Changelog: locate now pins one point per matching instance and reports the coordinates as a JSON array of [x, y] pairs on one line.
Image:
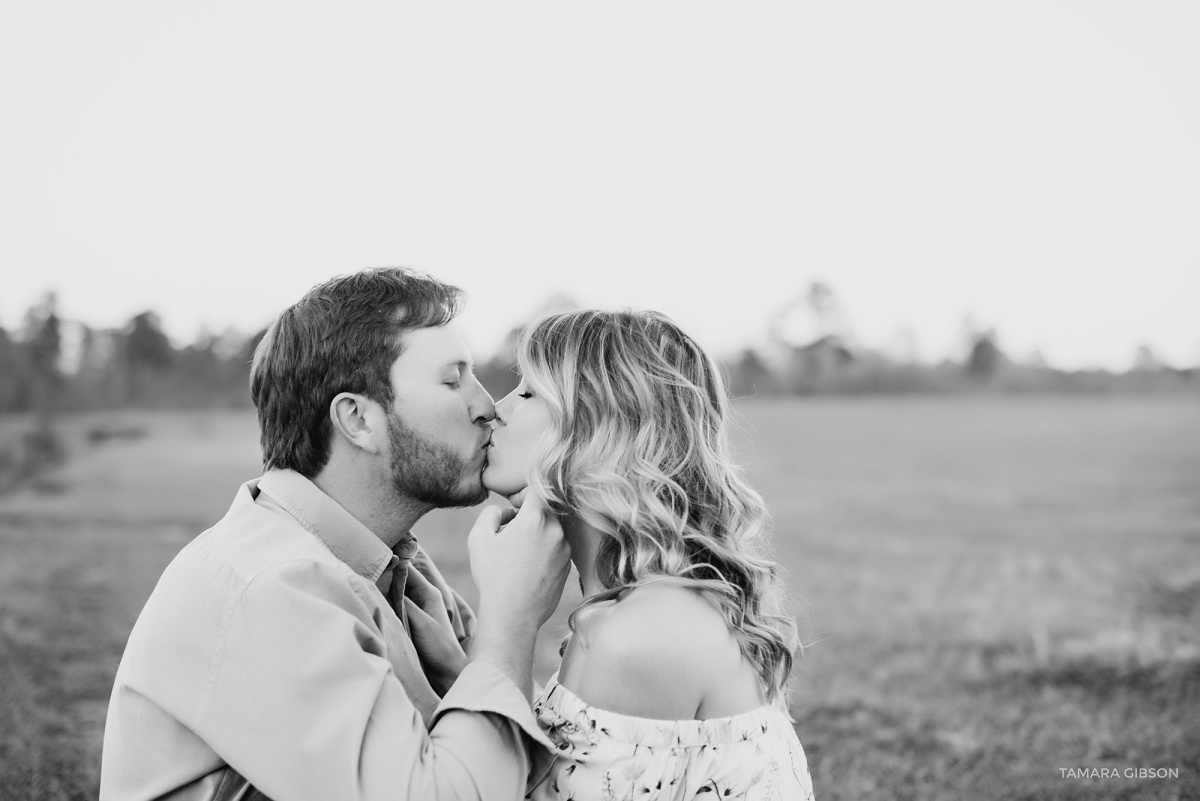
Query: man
[[274, 657]]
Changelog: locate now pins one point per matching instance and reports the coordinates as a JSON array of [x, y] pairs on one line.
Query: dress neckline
[[659, 731]]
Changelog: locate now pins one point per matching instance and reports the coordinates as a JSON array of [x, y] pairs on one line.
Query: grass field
[[1000, 588]]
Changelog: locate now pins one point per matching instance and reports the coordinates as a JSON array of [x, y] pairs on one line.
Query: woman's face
[[521, 420]]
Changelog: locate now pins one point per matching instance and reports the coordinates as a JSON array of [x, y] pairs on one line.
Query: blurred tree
[[823, 305], [101, 380], [43, 337], [985, 357], [146, 345], [818, 366], [11, 383], [1146, 360], [147, 352], [750, 376], [198, 368], [813, 315]]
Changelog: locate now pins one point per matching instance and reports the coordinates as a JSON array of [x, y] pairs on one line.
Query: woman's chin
[[500, 487]]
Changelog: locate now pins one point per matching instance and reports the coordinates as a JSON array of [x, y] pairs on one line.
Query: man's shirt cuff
[[483, 687]]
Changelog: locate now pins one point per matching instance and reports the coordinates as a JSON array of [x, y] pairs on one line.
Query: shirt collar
[[342, 533]]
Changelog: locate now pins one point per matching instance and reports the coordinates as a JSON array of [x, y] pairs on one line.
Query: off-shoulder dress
[[606, 756]]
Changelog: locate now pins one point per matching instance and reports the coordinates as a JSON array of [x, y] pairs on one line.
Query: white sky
[[1035, 165]]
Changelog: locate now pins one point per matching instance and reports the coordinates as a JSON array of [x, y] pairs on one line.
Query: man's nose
[[483, 410]]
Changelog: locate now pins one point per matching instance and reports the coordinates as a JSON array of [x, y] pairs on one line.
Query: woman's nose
[[502, 411]]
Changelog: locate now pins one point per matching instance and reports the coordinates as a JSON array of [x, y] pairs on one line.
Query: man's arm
[[304, 703]]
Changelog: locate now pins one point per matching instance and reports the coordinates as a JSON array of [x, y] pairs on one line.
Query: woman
[[672, 683]]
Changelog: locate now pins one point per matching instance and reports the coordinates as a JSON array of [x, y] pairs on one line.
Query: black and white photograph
[[600, 402]]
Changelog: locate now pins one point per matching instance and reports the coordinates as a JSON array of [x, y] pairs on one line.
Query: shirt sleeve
[[483, 687], [304, 703]]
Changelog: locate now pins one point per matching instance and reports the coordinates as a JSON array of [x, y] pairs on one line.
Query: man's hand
[[520, 562], [435, 637]]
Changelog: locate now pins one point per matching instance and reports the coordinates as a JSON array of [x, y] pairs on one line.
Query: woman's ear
[[352, 419]]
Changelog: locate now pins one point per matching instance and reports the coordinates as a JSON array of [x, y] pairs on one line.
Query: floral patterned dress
[[606, 756]]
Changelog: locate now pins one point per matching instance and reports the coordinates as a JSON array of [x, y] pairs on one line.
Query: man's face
[[438, 424]]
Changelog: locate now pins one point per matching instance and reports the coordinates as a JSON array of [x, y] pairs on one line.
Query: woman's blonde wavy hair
[[642, 454]]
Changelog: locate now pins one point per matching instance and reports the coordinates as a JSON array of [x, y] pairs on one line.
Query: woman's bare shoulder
[[656, 653]]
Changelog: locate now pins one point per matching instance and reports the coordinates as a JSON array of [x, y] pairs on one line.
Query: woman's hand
[[459, 611], [435, 637]]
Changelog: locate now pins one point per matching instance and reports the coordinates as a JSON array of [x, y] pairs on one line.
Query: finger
[[517, 498], [454, 609], [534, 519], [532, 505], [465, 616], [412, 608], [418, 588], [430, 602], [424, 629], [420, 624], [430, 639], [430, 571], [428, 598], [490, 520]]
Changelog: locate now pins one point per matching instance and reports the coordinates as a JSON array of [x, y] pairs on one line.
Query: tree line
[[48, 365]]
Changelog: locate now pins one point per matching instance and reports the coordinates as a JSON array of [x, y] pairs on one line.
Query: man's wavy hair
[[640, 451], [343, 336]]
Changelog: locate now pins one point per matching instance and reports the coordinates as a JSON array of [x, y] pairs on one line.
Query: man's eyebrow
[[459, 363]]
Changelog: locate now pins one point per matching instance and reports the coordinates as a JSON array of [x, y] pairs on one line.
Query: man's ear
[[351, 416]]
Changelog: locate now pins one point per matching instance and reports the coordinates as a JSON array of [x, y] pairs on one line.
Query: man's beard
[[429, 471]]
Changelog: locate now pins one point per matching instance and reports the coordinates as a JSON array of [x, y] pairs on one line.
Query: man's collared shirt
[[268, 660]]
